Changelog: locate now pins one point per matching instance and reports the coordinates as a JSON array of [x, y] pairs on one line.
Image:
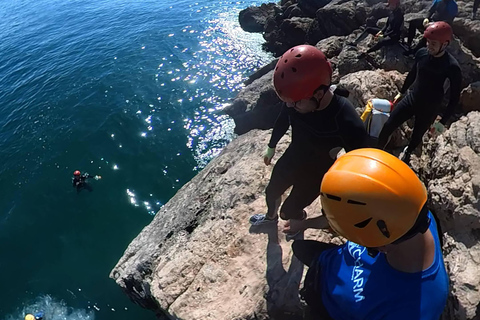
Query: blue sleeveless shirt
[[355, 285]]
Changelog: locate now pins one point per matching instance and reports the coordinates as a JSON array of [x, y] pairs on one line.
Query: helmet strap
[[421, 226], [323, 88]]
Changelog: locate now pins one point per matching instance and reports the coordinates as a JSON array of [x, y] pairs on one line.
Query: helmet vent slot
[[282, 75], [332, 197], [298, 55], [363, 224], [286, 60], [383, 228], [356, 202], [294, 69]]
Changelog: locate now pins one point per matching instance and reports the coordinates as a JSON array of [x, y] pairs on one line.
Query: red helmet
[[299, 72], [394, 3], [76, 173], [439, 31]]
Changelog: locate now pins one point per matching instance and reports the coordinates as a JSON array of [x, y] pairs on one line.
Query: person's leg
[[308, 250], [401, 113], [364, 34], [415, 24], [421, 44], [423, 122], [280, 181], [476, 4], [306, 188], [387, 41]]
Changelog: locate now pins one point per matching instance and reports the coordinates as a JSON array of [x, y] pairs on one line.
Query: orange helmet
[[371, 197], [300, 72]]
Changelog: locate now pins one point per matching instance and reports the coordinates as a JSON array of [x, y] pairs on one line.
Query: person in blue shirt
[[440, 10], [392, 265]]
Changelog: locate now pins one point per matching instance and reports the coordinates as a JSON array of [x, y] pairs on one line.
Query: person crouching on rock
[[320, 121], [392, 266], [433, 65], [389, 35]]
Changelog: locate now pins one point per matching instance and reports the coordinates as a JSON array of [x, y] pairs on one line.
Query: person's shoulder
[[421, 54], [452, 60]]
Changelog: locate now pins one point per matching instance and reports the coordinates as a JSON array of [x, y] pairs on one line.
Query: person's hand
[[267, 157], [425, 22], [379, 35], [293, 226], [397, 98], [97, 177], [437, 127]]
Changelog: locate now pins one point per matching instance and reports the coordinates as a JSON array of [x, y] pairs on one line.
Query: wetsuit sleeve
[[432, 9], [412, 75], [73, 182], [455, 78], [352, 129], [280, 128], [397, 25]]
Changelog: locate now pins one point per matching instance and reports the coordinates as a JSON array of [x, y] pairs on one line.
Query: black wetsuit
[[439, 11], [428, 77], [391, 31], [307, 158], [80, 182]]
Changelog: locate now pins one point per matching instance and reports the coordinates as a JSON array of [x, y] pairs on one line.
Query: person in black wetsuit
[[440, 10], [320, 121], [433, 65], [390, 34], [476, 4], [79, 181]]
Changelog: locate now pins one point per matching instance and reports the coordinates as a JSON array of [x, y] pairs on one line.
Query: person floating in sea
[[392, 265], [37, 316], [433, 65], [79, 180], [320, 119]]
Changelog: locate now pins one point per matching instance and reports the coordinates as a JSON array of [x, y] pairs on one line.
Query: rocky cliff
[[200, 259]]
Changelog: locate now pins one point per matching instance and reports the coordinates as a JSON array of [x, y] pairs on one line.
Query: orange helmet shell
[[371, 197], [300, 71]]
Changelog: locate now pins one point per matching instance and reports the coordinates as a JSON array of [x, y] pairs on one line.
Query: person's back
[[444, 10], [391, 267], [358, 286]]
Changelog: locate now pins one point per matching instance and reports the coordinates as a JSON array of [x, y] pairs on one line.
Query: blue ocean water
[[127, 89]]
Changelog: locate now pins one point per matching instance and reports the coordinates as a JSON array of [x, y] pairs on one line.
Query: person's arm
[[432, 9], [280, 128], [455, 78], [412, 75], [352, 129]]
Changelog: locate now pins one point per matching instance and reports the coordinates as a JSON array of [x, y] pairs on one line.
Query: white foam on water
[[53, 309]]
